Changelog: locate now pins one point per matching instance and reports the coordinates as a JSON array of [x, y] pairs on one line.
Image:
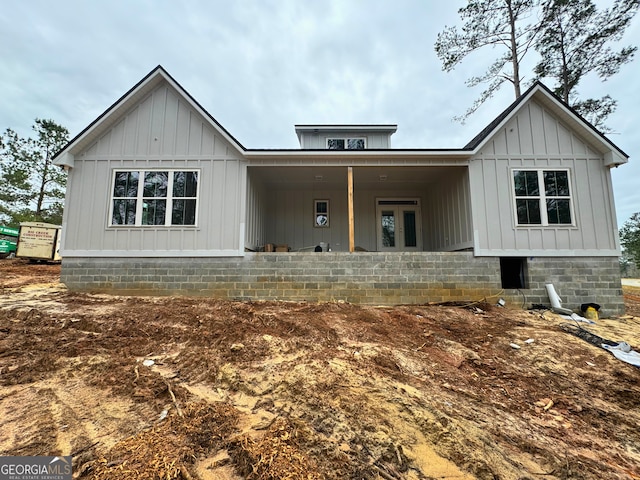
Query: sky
[[262, 66]]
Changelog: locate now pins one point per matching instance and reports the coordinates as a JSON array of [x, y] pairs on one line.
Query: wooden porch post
[[352, 240]]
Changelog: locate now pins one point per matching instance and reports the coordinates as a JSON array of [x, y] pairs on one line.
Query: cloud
[[262, 66]]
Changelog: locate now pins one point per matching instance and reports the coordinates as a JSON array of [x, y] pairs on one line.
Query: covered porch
[[372, 208]]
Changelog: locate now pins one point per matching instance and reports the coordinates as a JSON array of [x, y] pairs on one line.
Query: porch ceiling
[[375, 177]]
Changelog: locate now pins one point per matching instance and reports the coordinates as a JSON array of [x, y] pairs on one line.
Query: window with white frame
[[542, 197], [154, 197], [346, 143], [321, 213]]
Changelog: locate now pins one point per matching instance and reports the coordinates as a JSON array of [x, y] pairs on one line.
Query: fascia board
[[347, 128], [391, 154]]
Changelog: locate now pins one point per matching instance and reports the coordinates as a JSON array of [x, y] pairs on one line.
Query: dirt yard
[[180, 388]]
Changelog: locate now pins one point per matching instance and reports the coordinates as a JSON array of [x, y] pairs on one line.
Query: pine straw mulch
[[276, 456], [169, 450]]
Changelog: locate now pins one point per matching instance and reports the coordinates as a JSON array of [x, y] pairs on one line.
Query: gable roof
[[614, 156], [112, 114]]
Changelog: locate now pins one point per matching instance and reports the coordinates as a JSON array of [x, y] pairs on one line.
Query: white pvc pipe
[[556, 301]]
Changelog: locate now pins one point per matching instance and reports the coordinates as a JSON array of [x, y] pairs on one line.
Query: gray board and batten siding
[[161, 131], [535, 139]]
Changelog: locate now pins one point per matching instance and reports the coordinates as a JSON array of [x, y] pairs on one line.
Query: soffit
[[374, 177]]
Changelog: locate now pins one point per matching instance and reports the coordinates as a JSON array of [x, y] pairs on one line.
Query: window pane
[[124, 212], [153, 212], [178, 184], [558, 211], [126, 184], [388, 229], [410, 238], [335, 144], [185, 184], [321, 207], [528, 211], [526, 183], [556, 184], [155, 184], [355, 143], [184, 212]]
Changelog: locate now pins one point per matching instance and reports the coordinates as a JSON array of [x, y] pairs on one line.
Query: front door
[[399, 225]]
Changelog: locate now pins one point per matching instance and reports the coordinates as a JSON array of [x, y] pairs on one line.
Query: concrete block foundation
[[368, 278]]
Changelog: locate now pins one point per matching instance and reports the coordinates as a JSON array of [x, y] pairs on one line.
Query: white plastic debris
[[624, 347], [148, 363], [623, 352], [163, 414], [577, 318], [529, 340], [515, 346]]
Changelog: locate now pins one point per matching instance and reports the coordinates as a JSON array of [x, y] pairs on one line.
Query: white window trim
[[317, 214], [346, 140], [139, 197], [542, 198]]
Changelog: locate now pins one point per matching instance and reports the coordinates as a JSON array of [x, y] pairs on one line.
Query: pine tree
[[574, 41], [572, 37], [32, 187], [495, 23], [630, 239]]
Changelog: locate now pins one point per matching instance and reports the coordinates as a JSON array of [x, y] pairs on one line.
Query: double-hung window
[[154, 197], [345, 143], [542, 197], [321, 213]]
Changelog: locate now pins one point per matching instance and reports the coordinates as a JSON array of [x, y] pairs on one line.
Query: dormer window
[[346, 143], [345, 137]]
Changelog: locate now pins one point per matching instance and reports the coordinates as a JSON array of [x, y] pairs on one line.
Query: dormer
[[345, 137]]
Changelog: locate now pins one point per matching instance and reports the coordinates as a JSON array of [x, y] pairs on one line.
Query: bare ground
[[180, 388]]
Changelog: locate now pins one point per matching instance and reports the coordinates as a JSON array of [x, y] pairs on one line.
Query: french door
[[399, 225]]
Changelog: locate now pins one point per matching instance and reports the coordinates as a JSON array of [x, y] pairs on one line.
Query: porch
[[384, 209]]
